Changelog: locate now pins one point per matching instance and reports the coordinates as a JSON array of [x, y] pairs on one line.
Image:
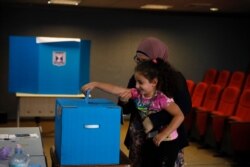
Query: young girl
[[149, 76]]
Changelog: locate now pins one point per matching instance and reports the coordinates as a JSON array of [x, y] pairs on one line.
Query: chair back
[[199, 93], [210, 76], [212, 97], [247, 82], [228, 101], [223, 78], [237, 79], [243, 108]]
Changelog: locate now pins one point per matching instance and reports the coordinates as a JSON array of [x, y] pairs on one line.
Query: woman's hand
[[125, 95]]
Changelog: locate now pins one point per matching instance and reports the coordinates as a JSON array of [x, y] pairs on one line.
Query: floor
[[194, 155]]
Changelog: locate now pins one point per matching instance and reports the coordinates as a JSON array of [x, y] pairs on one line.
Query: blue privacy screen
[[48, 65]]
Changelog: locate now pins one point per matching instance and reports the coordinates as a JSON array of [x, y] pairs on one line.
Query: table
[[124, 161], [31, 145], [39, 105]]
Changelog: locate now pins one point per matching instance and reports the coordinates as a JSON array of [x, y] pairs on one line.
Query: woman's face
[[139, 57], [147, 88]]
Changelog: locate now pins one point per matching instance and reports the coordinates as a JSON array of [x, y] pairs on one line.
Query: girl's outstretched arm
[[106, 87]]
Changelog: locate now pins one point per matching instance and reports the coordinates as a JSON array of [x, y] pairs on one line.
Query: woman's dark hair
[[163, 71]]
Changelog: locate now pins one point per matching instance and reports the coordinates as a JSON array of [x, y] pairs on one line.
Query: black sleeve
[[182, 99]]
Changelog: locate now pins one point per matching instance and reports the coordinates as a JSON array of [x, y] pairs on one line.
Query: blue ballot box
[[87, 132]]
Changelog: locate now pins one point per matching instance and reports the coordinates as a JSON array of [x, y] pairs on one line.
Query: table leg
[[18, 113]]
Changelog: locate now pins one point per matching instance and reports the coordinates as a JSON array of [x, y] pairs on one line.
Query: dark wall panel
[[195, 42]]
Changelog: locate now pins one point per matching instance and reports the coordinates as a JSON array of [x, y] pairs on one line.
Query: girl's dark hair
[[163, 71]]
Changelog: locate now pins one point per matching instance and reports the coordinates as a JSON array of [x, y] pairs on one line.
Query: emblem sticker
[[59, 58]]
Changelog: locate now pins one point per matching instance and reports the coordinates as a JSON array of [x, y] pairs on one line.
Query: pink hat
[[153, 48]]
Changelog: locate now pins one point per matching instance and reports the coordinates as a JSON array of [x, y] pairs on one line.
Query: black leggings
[[163, 156]]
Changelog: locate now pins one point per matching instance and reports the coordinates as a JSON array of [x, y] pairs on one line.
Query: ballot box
[[87, 131]]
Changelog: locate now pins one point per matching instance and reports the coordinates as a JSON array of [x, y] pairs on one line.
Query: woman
[[149, 49]]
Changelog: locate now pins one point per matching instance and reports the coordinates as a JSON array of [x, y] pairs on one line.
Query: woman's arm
[[106, 87], [178, 117]]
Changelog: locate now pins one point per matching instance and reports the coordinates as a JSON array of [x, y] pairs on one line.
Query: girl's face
[[147, 88]]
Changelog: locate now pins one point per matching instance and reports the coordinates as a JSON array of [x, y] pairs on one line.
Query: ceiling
[[200, 6]]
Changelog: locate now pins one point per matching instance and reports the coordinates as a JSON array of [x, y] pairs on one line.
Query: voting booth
[[45, 65]]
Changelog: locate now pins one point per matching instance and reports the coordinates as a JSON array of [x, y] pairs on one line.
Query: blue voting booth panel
[[23, 62], [48, 68], [87, 133]]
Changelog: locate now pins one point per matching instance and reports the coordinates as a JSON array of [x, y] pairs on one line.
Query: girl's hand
[[88, 86], [159, 138]]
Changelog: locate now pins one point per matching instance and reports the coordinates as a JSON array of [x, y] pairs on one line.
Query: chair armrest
[[234, 119], [201, 109], [240, 123], [216, 114]]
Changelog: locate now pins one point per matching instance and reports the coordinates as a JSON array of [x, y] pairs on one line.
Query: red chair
[[197, 99], [237, 79], [198, 94], [239, 124], [191, 85], [242, 113], [247, 82], [210, 76], [226, 108], [210, 103], [223, 78]]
